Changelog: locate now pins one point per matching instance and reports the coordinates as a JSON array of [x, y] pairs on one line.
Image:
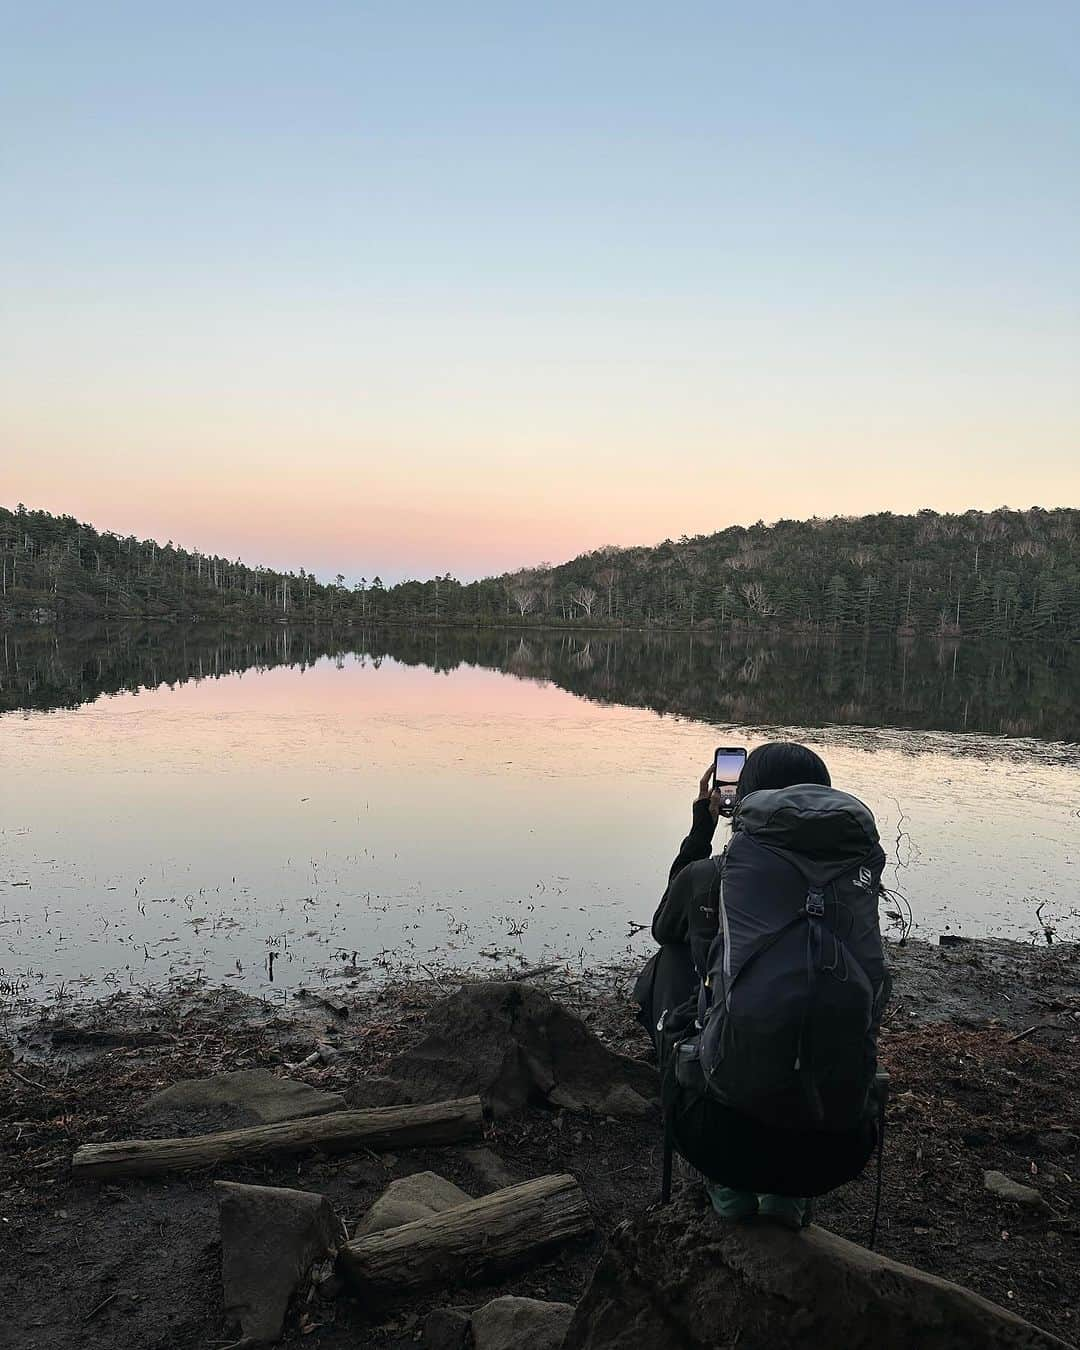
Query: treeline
[[56, 568], [999, 574], [1011, 574]]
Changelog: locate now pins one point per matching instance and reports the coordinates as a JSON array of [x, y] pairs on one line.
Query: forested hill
[[1000, 573], [997, 574]]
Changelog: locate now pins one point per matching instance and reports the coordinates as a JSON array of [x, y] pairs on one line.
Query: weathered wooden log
[[468, 1241], [381, 1127]]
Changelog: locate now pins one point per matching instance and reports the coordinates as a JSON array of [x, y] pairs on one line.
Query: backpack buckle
[[815, 904]]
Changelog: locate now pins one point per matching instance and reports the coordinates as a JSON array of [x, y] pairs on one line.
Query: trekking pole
[[881, 1081], [665, 1176]]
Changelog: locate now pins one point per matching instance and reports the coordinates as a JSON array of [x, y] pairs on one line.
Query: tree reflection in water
[[741, 678]]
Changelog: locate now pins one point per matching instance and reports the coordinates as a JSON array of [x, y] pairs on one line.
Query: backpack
[[795, 981]]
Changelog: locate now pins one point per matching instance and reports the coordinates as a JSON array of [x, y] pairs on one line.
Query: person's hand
[[707, 792]]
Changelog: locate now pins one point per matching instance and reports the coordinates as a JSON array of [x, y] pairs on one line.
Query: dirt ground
[[982, 1042]]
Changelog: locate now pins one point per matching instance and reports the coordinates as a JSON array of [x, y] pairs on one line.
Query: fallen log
[[470, 1240], [380, 1127]]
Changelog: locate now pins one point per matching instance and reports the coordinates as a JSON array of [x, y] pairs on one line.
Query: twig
[[532, 972], [29, 1082], [1039, 1026], [103, 1304], [311, 1059]]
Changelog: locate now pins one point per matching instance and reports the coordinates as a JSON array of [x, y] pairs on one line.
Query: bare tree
[[607, 577], [757, 598], [584, 596], [524, 597]]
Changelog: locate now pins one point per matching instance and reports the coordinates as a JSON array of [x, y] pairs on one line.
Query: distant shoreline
[[703, 629]]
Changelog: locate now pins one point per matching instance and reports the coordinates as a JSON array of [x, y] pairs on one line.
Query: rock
[[997, 1183], [376, 1091], [513, 1045], [490, 1168], [624, 1103], [513, 1323], [415, 1197], [678, 1278], [255, 1096], [446, 1329], [270, 1239]]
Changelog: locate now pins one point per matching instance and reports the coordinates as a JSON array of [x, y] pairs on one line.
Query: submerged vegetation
[[999, 574]]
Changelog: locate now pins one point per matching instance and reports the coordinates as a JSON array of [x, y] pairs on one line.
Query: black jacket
[[687, 912]]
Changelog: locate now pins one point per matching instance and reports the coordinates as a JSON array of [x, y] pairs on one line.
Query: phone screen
[[729, 764]]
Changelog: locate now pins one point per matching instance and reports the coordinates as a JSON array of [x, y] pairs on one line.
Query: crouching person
[[766, 995]]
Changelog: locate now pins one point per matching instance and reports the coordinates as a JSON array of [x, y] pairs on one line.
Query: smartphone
[[727, 765]]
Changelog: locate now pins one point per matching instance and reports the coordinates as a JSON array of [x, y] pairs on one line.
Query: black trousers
[[727, 1147]]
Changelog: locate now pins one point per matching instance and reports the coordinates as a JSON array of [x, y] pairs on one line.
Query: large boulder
[[270, 1239], [413, 1197], [244, 1097], [513, 1323], [514, 1045], [678, 1278]]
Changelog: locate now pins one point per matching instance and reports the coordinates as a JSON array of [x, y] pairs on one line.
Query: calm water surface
[[262, 811]]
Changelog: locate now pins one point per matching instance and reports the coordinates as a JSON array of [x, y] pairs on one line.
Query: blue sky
[[458, 286]]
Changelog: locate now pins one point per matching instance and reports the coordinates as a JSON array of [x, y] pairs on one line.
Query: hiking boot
[[732, 1205], [787, 1210]]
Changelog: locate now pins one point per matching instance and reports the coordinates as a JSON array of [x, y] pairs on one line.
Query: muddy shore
[[982, 1042]]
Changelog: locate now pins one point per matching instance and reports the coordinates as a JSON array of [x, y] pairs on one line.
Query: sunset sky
[[405, 288]]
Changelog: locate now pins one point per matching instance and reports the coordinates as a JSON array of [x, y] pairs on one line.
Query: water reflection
[[811, 681], [248, 805]]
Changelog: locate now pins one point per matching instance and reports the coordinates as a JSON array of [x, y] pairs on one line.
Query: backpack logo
[[864, 879]]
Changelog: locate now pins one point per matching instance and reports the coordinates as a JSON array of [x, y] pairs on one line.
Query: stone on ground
[[270, 1239], [490, 1168], [679, 1278], [415, 1197], [446, 1329], [513, 1323], [254, 1095], [514, 1045], [997, 1183]]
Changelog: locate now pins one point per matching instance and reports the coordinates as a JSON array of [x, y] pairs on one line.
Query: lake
[[277, 810]]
